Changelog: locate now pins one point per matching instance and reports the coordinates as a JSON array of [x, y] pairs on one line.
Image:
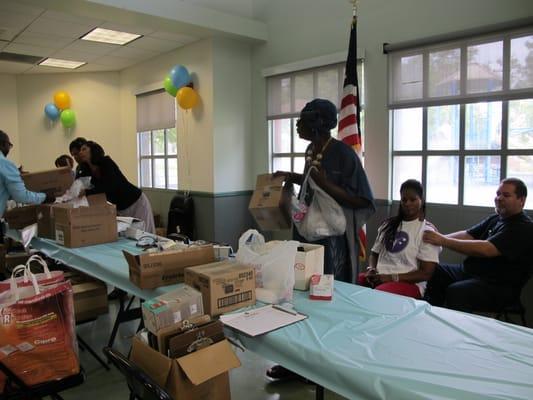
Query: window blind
[[155, 110]]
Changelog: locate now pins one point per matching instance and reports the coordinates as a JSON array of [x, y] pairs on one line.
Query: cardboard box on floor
[[308, 261], [199, 375], [225, 285], [172, 307], [152, 270], [90, 296], [86, 226], [54, 181], [265, 204]]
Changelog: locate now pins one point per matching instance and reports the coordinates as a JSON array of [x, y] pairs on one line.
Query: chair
[[16, 389], [141, 386], [519, 307], [181, 216]]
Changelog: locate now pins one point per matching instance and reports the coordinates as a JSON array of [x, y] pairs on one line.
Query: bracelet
[[395, 277]]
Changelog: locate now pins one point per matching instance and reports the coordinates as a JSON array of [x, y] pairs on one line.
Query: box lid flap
[[268, 180], [132, 259], [155, 364], [209, 362], [97, 199]]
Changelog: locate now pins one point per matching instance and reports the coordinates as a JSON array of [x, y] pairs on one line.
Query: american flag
[[349, 120]]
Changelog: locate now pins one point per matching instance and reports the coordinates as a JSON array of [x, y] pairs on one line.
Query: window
[[461, 117], [287, 95], [157, 141]]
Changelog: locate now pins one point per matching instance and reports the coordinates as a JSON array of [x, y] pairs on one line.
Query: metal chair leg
[[93, 353], [319, 392]]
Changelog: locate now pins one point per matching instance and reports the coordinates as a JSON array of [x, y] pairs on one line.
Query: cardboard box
[[90, 296], [196, 338], [86, 226], [225, 285], [171, 308], [199, 375], [54, 181], [152, 270], [308, 262], [266, 204], [46, 221], [21, 217]]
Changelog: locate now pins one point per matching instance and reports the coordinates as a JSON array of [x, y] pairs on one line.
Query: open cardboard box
[[86, 226], [199, 375], [152, 270], [266, 204]]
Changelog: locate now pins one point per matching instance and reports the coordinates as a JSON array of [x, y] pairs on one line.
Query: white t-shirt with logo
[[404, 254]]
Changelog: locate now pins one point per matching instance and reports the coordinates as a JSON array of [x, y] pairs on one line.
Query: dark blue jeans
[[452, 287]]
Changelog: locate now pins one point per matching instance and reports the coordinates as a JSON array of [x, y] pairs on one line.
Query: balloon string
[[186, 159]]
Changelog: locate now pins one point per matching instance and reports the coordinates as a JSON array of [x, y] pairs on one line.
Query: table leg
[[123, 315]]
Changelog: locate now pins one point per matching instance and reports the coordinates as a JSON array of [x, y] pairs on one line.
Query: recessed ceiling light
[[56, 62], [110, 36]]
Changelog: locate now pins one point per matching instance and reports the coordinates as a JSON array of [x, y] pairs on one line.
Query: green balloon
[[169, 87], [68, 118]]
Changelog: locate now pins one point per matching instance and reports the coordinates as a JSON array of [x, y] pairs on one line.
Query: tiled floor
[[247, 382]]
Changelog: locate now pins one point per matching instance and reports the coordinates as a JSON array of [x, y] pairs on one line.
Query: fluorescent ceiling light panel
[[110, 36], [56, 62]]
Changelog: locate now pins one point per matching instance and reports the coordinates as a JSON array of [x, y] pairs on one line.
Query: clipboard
[[258, 321]]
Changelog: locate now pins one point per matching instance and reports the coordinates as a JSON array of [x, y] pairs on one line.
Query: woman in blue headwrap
[[339, 172]]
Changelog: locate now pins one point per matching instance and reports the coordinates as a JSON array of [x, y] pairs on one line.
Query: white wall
[[299, 30], [195, 128], [9, 114], [94, 99], [232, 95]]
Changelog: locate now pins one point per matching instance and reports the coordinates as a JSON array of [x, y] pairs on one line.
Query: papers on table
[[259, 321]]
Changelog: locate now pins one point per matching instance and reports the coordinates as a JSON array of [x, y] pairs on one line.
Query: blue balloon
[[51, 111], [179, 76]]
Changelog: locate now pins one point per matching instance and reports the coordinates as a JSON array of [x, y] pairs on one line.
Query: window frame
[[165, 156], [462, 99], [294, 114]]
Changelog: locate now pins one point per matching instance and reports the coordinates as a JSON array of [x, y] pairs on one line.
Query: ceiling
[[37, 30]]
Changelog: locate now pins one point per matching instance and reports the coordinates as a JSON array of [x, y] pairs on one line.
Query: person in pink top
[[400, 262]]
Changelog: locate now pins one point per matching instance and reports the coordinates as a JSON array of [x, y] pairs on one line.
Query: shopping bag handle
[[13, 282], [40, 261]]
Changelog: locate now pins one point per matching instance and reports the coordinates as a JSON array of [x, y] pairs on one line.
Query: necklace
[[315, 161]]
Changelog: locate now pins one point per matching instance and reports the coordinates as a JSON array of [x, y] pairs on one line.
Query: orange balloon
[[62, 100], [187, 98]]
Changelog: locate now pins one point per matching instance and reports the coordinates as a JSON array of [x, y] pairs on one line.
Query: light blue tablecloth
[[103, 261], [367, 344]]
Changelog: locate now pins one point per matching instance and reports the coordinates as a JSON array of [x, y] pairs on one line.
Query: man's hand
[[50, 198], [434, 238]]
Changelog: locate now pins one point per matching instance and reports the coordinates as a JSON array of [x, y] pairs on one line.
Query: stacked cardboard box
[[225, 285], [309, 261], [90, 296]]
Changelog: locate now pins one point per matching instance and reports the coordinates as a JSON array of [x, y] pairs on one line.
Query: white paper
[[258, 321]]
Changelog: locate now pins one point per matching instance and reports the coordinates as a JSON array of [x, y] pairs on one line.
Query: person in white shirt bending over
[[400, 262]]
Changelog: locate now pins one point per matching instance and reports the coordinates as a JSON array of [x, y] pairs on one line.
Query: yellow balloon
[[187, 97], [62, 100]]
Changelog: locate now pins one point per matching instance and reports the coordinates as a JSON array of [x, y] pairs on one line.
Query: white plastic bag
[[273, 263], [323, 218]]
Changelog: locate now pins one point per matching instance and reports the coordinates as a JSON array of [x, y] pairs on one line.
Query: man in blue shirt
[[498, 261], [11, 184]]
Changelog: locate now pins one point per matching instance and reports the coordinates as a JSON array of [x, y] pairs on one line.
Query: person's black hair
[[97, 152], [320, 115], [392, 224], [520, 187], [3, 136], [64, 160], [77, 143]]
